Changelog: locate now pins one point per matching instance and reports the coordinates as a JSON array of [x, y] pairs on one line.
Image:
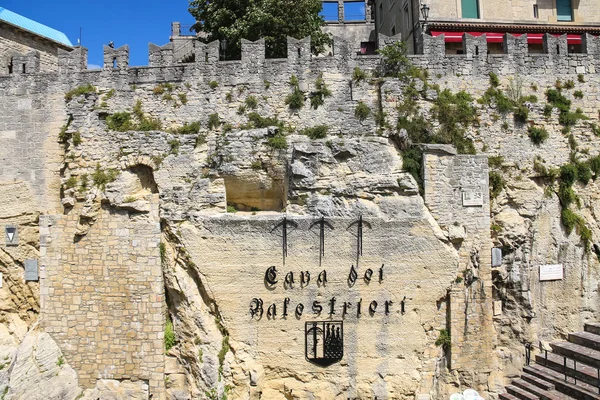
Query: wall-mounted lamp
[[425, 15]]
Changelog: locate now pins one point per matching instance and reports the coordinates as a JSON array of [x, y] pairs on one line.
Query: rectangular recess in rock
[[11, 235], [496, 257], [31, 270]]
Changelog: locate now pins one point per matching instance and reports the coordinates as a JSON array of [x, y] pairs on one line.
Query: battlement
[[193, 57]]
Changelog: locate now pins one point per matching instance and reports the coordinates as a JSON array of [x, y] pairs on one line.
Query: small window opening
[[557, 49], [10, 66], [24, 68], [206, 57], [115, 62], [536, 12], [476, 50], [299, 52]]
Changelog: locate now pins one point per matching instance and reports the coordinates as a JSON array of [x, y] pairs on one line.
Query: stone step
[[583, 373], [537, 382], [520, 393], [586, 339], [581, 391], [507, 396], [577, 352], [534, 390], [592, 328]]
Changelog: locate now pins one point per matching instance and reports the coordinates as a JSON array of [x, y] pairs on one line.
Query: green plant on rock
[[79, 91], [76, 138], [101, 177], [537, 135], [278, 142], [213, 84], [494, 81], [119, 121], [395, 63], [496, 184], [214, 121], [358, 75], [317, 98], [295, 100], [174, 146], [223, 352], [316, 132], [251, 102], [64, 135], [444, 339], [188, 128], [163, 88], [169, 334], [71, 182], [182, 98], [231, 209], [362, 111], [61, 361]]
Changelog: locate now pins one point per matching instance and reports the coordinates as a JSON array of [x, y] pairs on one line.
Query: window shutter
[[564, 11], [470, 9]]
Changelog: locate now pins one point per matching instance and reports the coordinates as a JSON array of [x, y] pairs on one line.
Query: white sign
[[551, 272], [472, 199]]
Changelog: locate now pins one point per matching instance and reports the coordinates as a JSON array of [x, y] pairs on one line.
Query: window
[[470, 8], [329, 12], [564, 12], [354, 11], [536, 13], [393, 30]]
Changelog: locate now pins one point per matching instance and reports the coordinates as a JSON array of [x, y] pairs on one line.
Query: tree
[[273, 20]]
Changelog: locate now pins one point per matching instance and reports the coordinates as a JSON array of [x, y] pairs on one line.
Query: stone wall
[[102, 295], [15, 42]]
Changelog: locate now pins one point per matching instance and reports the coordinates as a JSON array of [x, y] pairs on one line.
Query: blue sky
[[131, 22]]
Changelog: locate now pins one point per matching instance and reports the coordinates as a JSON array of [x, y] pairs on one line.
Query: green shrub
[[213, 84], [578, 94], [229, 97], [223, 352], [174, 145], [277, 142], [584, 172], [256, 121], [71, 182], [444, 339], [362, 111], [495, 161], [60, 362], [227, 128], [169, 334], [76, 138], [548, 110], [394, 60], [213, 121], [569, 84], [119, 121], [521, 113], [183, 98], [318, 96], [358, 75], [568, 174], [316, 132], [251, 102], [231, 209], [594, 164], [80, 90], [295, 100], [537, 135], [496, 184], [101, 178], [149, 124], [267, 84], [494, 81], [188, 128], [566, 195], [162, 88]]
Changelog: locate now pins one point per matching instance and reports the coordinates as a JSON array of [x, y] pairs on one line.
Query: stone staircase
[[570, 371]]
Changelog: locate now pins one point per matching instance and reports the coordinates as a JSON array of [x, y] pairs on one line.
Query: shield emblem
[[324, 342]]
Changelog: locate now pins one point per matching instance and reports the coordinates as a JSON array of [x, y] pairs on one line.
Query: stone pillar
[[175, 29], [298, 50], [207, 53], [160, 56], [590, 44], [434, 47], [116, 58], [253, 52], [555, 45], [341, 10], [26, 64], [474, 46], [516, 45]]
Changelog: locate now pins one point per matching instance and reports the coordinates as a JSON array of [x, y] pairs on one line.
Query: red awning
[[498, 37]]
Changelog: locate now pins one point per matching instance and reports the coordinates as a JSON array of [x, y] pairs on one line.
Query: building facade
[[452, 18], [352, 21], [20, 36]]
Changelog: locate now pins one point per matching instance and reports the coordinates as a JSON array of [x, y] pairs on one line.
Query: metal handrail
[[186, 30]]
